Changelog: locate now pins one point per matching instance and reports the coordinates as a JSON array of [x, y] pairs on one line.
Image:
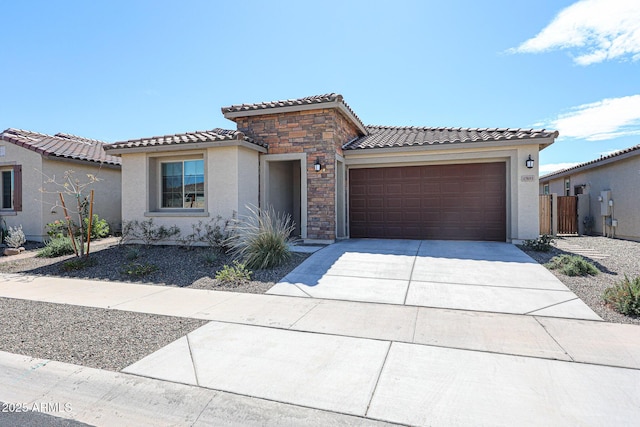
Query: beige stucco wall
[[231, 184], [31, 215], [522, 183], [36, 205], [622, 177], [107, 190]]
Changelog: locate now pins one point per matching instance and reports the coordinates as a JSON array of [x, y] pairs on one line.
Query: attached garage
[[447, 202]]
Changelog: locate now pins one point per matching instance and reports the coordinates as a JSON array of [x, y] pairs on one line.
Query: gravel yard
[[621, 257], [113, 339], [94, 337], [174, 266]]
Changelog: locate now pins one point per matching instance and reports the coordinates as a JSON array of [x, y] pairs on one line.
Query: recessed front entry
[[284, 190], [447, 202]]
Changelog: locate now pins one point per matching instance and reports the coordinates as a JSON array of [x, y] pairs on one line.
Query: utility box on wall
[[605, 208]]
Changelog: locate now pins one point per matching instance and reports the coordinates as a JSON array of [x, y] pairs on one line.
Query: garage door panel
[[429, 202]]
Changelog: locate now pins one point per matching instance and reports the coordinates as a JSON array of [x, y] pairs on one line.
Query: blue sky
[[116, 70]]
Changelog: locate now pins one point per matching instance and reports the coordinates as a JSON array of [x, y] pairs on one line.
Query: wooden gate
[[567, 215], [545, 214]]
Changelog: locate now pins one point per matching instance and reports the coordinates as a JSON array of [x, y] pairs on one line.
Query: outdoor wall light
[[529, 162], [317, 166]]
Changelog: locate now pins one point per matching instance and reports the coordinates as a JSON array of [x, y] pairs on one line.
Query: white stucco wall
[[231, 184], [622, 177], [107, 191], [522, 183], [31, 215]]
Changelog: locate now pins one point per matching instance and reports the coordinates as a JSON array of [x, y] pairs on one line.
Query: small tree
[[79, 213]]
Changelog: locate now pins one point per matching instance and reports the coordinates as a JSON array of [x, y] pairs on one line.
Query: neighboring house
[[619, 175], [28, 158], [314, 159]]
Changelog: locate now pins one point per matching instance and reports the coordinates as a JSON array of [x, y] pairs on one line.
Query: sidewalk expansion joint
[[554, 339], [193, 362], [375, 387], [413, 266], [550, 305]]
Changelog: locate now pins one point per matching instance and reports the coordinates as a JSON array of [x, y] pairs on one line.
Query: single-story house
[[610, 188], [314, 159], [28, 158]]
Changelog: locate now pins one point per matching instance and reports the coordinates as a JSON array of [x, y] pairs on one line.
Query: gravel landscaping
[[622, 257], [113, 339], [94, 337], [156, 265]]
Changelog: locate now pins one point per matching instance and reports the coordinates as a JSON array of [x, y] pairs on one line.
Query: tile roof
[[212, 135], [409, 136], [61, 145], [604, 160], [307, 101]]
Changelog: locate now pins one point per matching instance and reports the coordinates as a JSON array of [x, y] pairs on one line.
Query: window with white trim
[[545, 189], [567, 187], [182, 184]]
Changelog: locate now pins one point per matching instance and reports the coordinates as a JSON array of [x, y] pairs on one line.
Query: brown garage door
[[452, 202]]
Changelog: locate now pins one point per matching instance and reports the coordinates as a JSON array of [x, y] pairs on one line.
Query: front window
[[545, 189], [183, 184], [7, 189], [567, 187]]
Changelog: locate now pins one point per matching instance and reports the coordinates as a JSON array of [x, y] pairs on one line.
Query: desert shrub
[[99, 227], [262, 239], [132, 253], [209, 257], [56, 247], [147, 232], [541, 244], [15, 237], [136, 269], [78, 264], [234, 275], [625, 296], [60, 228], [213, 234], [572, 265]]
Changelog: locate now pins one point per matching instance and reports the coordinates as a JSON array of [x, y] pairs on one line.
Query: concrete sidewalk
[[374, 362], [478, 276]]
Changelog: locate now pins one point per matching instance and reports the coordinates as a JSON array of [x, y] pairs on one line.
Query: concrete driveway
[[479, 276]]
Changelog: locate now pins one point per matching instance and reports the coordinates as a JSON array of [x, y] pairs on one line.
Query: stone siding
[[318, 133]]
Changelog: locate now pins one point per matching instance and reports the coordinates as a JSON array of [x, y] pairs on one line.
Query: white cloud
[[594, 30], [607, 119], [554, 167]]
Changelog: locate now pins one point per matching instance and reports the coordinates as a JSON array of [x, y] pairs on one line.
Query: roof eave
[[187, 146], [541, 142], [589, 165]]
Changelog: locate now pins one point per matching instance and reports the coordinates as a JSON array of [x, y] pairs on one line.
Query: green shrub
[[132, 253], [234, 275], [209, 257], [541, 244], [136, 269], [262, 239], [572, 265], [625, 296], [60, 228], [99, 227], [78, 264], [15, 237], [56, 247]]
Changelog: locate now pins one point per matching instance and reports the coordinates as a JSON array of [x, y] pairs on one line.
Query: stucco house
[[608, 189], [28, 158], [314, 159]]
